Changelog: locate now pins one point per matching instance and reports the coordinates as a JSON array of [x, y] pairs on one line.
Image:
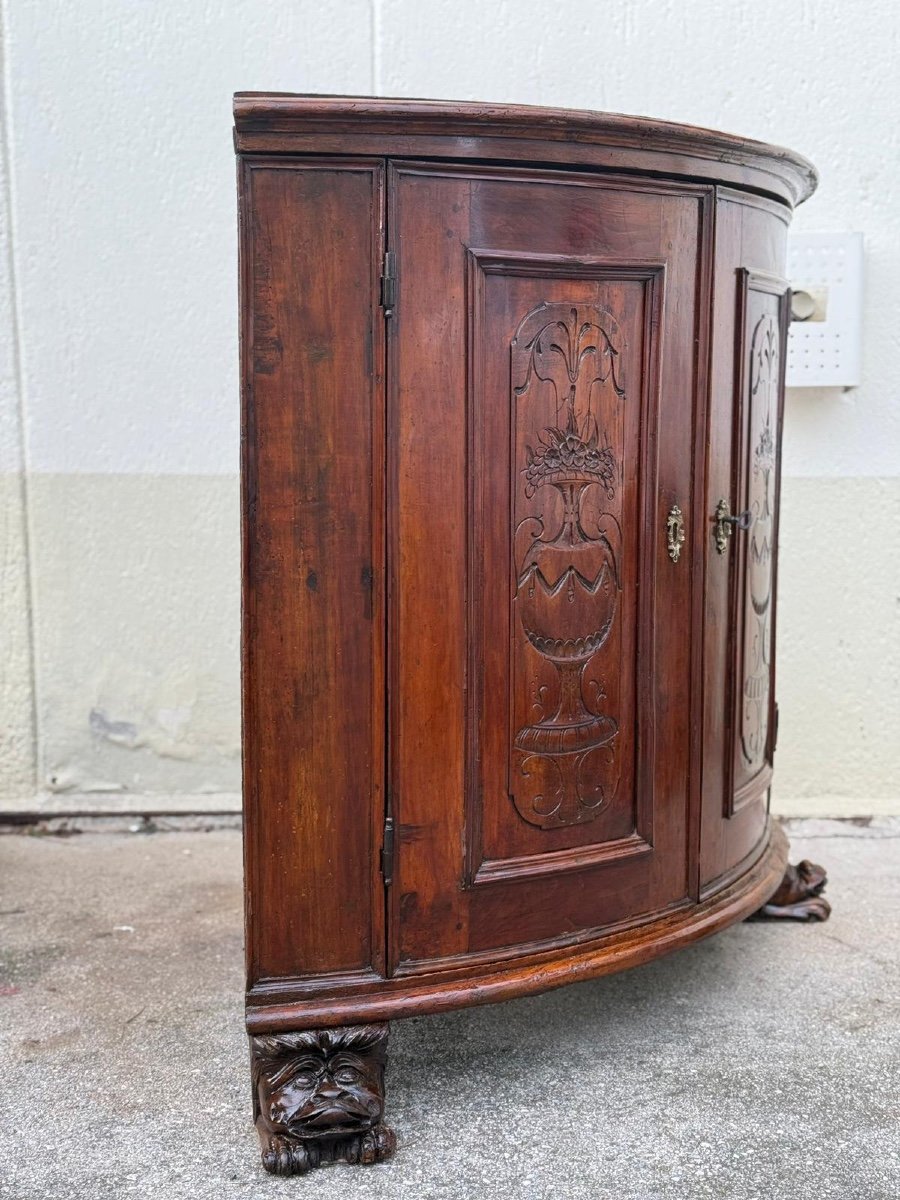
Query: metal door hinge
[[389, 283], [387, 852]]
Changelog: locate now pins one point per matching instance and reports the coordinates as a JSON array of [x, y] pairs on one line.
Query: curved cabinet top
[[281, 123]]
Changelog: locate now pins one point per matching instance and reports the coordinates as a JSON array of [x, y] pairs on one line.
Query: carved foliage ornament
[[764, 378], [319, 1096], [565, 363]]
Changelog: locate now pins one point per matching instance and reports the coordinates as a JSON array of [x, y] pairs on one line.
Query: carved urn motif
[[567, 594], [567, 583]]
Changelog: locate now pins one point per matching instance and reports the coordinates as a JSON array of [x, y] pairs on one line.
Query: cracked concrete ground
[[761, 1064]]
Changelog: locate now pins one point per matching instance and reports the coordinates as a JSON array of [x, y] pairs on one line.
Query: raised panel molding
[[563, 767], [566, 538]]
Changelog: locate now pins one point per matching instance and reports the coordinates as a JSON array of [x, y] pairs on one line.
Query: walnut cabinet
[[512, 395]]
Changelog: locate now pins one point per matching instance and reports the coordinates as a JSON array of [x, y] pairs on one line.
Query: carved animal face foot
[[799, 896], [319, 1098]]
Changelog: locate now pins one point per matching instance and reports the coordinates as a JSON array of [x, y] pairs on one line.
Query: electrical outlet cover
[[827, 352]]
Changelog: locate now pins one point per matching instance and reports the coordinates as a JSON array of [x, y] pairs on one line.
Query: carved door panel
[[763, 316], [539, 631], [750, 315]]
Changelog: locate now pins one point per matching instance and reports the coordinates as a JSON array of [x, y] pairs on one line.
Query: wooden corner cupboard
[[512, 388]]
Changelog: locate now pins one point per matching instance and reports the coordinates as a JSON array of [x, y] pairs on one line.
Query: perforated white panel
[[826, 352]]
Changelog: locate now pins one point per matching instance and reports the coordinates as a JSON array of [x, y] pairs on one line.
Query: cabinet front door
[[542, 365]]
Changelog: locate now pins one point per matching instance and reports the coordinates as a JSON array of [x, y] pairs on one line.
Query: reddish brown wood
[[494, 979], [610, 846], [748, 299], [508, 712], [313, 610], [799, 897], [285, 123]]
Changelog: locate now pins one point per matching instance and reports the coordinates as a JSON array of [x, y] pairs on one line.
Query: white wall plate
[[826, 350]]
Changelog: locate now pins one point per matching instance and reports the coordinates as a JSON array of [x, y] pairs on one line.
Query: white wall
[[17, 726], [118, 310]]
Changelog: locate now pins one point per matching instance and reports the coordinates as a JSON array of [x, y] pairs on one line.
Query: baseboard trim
[[26, 809]]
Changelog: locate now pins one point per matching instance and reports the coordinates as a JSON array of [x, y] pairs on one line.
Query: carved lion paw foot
[[799, 897], [283, 1156], [372, 1147], [288, 1156]]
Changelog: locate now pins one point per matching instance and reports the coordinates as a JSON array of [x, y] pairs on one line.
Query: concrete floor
[[762, 1064]]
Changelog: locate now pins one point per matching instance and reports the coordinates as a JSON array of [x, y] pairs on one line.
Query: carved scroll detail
[[319, 1097], [567, 583], [764, 378]]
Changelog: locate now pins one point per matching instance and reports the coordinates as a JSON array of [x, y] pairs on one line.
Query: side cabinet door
[[312, 478], [542, 365], [763, 314], [744, 480]]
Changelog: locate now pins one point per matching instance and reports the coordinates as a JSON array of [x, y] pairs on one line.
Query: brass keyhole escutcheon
[[725, 524], [674, 532]]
